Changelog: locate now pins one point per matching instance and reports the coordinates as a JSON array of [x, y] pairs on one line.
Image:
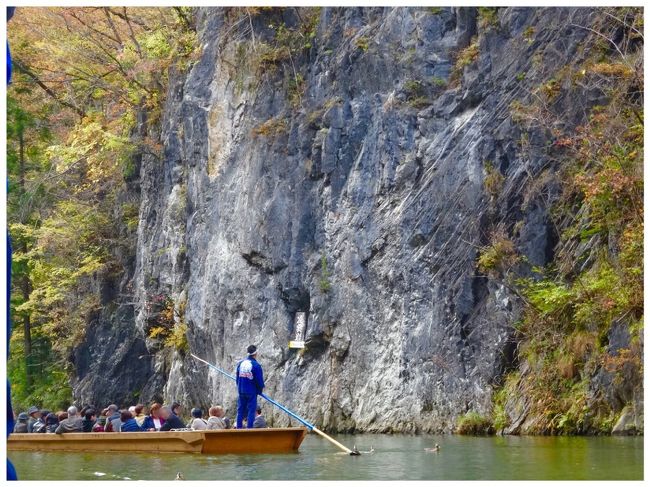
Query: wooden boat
[[258, 440]]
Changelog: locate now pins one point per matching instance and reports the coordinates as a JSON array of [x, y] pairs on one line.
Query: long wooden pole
[[289, 412]]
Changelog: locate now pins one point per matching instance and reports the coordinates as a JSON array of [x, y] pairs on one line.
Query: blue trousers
[[246, 406]]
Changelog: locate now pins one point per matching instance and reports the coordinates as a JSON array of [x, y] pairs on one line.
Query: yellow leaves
[[158, 332], [177, 339], [20, 231], [271, 127], [617, 70], [155, 45]]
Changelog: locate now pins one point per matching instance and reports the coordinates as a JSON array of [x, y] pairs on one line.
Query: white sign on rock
[[301, 326]]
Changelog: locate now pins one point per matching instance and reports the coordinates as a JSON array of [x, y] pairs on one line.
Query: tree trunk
[[26, 285]]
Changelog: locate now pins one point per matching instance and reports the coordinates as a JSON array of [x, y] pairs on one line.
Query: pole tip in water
[[355, 452]]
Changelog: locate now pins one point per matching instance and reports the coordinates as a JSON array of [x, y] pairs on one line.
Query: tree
[[83, 77]]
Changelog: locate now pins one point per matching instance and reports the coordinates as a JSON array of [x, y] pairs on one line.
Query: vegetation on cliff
[[594, 284]]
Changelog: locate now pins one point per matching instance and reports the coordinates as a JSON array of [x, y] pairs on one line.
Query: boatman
[[250, 383]]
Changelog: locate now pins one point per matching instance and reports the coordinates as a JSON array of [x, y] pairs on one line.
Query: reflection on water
[[395, 457]]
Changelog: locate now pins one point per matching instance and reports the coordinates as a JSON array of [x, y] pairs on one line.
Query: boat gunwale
[[138, 434], [195, 440]]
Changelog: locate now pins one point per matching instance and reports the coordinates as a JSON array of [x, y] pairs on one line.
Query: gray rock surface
[[404, 334], [629, 422]]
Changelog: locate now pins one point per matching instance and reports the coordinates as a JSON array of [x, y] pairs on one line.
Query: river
[[395, 457]]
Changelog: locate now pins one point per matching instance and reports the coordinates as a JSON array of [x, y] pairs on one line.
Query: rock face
[[630, 422], [349, 182]]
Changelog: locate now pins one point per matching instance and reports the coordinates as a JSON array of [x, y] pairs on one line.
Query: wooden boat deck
[[259, 440]]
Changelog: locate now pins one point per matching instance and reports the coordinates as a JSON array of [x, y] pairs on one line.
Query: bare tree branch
[[25, 70]]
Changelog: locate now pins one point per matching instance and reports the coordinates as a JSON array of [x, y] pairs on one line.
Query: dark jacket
[[20, 427], [30, 424], [173, 422], [130, 425], [249, 375], [149, 424], [70, 425], [51, 423], [39, 426], [259, 422], [87, 425]]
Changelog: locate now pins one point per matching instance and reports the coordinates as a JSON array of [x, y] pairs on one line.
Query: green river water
[[395, 457]]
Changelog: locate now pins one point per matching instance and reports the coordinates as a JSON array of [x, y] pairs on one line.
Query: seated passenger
[[198, 423], [259, 422], [51, 423], [140, 415], [21, 423], [39, 425], [176, 408], [171, 420], [153, 422], [215, 421], [100, 424], [71, 424], [112, 419], [34, 414], [89, 421], [128, 423]]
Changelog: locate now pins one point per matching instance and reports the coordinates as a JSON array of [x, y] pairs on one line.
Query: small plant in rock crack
[[324, 282]]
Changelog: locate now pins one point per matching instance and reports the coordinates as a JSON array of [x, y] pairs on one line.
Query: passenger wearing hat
[[250, 383], [39, 425], [34, 414], [113, 421], [198, 423], [21, 423], [72, 424]]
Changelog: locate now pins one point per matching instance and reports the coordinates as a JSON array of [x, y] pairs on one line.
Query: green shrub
[[416, 93], [500, 418], [487, 17], [324, 282], [419, 102], [438, 82], [493, 181], [413, 87], [362, 43], [473, 423], [130, 215], [499, 256]]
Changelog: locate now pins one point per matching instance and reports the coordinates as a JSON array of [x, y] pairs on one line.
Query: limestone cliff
[[346, 179]]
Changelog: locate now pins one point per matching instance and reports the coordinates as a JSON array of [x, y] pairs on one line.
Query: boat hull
[[262, 440]]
